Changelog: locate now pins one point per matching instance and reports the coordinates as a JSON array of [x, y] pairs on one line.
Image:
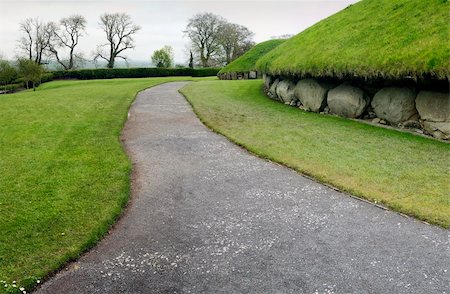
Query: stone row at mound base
[[247, 75], [405, 106]]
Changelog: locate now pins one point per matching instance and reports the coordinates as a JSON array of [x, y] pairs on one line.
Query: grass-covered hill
[[248, 61], [372, 38]]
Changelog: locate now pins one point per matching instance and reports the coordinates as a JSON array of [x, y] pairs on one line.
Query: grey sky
[[162, 22]]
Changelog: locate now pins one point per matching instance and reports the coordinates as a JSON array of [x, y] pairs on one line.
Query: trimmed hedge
[[205, 72], [11, 87], [112, 73], [46, 77]]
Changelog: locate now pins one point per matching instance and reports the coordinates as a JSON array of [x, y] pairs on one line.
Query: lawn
[[64, 175], [407, 173], [372, 39]]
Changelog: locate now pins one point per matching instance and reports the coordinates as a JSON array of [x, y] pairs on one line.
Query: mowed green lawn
[[64, 175], [407, 173]]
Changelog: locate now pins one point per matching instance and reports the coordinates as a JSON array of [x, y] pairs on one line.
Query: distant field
[[407, 173], [372, 38], [64, 175], [247, 62]]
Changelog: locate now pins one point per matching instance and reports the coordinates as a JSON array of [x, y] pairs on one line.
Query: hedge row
[[11, 87], [111, 73], [21, 83]]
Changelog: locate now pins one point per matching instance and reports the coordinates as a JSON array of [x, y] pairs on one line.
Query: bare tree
[[119, 30], [66, 37], [36, 40], [234, 40], [203, 31]]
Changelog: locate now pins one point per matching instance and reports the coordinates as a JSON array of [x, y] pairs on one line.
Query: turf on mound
[[247, 62], [370, 39]]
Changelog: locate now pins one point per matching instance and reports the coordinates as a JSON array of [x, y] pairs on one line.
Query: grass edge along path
[[401, 171], [65, 174]]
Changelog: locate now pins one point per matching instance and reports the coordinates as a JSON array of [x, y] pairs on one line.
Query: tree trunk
[[191, 60], [228, 59], [112, 56], [111, 63], [71, 59], [203, 59]]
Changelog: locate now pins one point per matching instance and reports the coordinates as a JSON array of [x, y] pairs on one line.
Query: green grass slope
[[247, 62], [372, 38]]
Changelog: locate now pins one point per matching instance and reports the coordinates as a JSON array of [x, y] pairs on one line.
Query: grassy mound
[[247, 62], [370, 39]]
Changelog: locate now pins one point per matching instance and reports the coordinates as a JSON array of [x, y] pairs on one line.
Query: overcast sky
[[162, 22]]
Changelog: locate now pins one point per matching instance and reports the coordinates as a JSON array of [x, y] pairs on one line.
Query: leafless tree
[[66, 37], [234, 40], [119, 30], [203, 31], [36, 40]]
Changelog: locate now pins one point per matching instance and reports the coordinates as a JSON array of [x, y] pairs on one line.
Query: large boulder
[[433, 106], [272, 92], [267, 80], [312, 94], [395, 105], [347, 101], [285, 91], [252, 75], [434, 111]]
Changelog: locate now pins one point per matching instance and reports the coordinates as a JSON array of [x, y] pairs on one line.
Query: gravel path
[[208, 217]]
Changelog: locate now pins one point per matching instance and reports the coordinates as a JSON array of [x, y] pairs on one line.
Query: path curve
[[208, 217]]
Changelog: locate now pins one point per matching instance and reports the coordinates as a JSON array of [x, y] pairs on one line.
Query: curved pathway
[[208, 217]]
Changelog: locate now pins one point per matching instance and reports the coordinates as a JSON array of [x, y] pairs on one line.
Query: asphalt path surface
[[206, 216]]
